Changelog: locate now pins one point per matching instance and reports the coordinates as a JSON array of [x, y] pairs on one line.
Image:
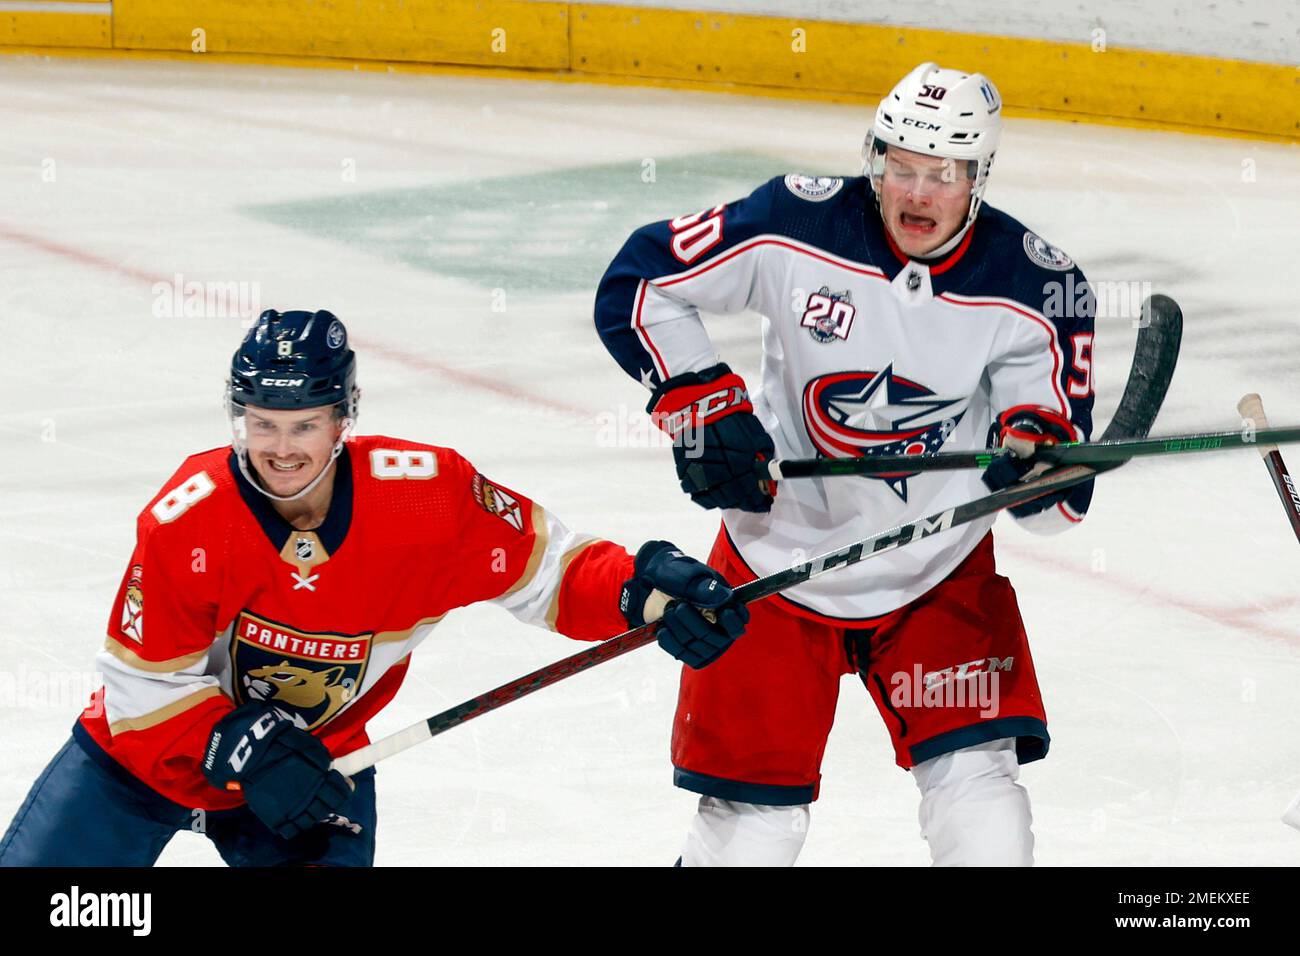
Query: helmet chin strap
[[241, 454]]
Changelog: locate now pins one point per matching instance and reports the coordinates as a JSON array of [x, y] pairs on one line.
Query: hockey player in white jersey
[[900, 315]]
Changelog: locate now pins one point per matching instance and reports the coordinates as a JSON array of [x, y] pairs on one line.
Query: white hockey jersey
[[865, 352]]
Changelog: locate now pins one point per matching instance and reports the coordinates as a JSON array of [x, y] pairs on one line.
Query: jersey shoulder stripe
[[1029, 270]]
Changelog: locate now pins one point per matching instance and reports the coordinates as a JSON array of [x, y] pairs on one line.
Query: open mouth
[[285, 467], [920, 225]]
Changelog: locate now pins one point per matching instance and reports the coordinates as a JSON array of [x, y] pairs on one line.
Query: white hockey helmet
[[938, 112]]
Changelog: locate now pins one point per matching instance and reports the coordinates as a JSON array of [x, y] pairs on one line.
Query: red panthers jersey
[[225, 602]]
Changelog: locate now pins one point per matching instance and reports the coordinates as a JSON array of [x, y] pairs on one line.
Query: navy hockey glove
[[716, 438], [283, 771], [700, 619], [1024, 429]]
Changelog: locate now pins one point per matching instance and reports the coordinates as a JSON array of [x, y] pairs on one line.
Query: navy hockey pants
[[86, 810]]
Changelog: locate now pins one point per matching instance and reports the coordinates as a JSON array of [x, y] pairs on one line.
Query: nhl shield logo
[[304, 549]]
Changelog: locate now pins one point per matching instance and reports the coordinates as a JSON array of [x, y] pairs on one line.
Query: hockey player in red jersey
[[901, 314], [277, 590]]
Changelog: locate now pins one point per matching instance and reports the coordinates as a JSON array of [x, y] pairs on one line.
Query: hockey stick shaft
[[1154, 360], [1252, 408], [756, 590], [1074, 453]]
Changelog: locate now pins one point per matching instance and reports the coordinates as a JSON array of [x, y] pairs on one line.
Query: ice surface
[[458, 225]]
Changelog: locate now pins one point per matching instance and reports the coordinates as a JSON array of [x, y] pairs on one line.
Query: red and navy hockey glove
[[284, 772], [716, 438], [1024, 429], [700, 621]]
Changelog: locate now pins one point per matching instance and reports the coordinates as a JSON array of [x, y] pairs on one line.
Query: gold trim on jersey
[[304, 550], [156, 717], [540, 541], [132, 659], [553, 612], [392, 637]]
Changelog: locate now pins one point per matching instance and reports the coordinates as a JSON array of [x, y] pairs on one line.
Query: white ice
[[1165, 629]]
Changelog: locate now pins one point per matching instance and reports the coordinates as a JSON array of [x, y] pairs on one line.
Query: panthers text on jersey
[[224, 602], [865, 352]]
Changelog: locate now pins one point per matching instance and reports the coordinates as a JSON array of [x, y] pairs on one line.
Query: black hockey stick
[[1148, 381], [1071, 453], [1054, 480], [1108, 449]]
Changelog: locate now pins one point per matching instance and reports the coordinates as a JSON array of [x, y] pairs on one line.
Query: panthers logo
[[305, 694], [308, 676]]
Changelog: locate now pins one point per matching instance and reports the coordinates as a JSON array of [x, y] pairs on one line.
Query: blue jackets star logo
[[868, 413]]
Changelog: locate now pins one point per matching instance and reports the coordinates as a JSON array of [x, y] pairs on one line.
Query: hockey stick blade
[[1155, 357], [1154, 360]]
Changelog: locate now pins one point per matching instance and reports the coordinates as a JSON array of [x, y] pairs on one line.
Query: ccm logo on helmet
[[920, 124], [283, 382]]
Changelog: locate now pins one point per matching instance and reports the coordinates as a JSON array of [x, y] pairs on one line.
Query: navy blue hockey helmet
[[295, 360]]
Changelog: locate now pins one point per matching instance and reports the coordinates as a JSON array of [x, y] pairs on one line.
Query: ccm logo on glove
[[243, 749], [718, 442], [283, 772], [706, 408]]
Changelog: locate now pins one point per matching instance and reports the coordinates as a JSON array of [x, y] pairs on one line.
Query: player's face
[[923, 199], [288, 449]]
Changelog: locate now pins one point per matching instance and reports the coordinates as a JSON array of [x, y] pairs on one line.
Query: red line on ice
[[76, 255], [484, 382], [1233, 617], [409, 359]]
